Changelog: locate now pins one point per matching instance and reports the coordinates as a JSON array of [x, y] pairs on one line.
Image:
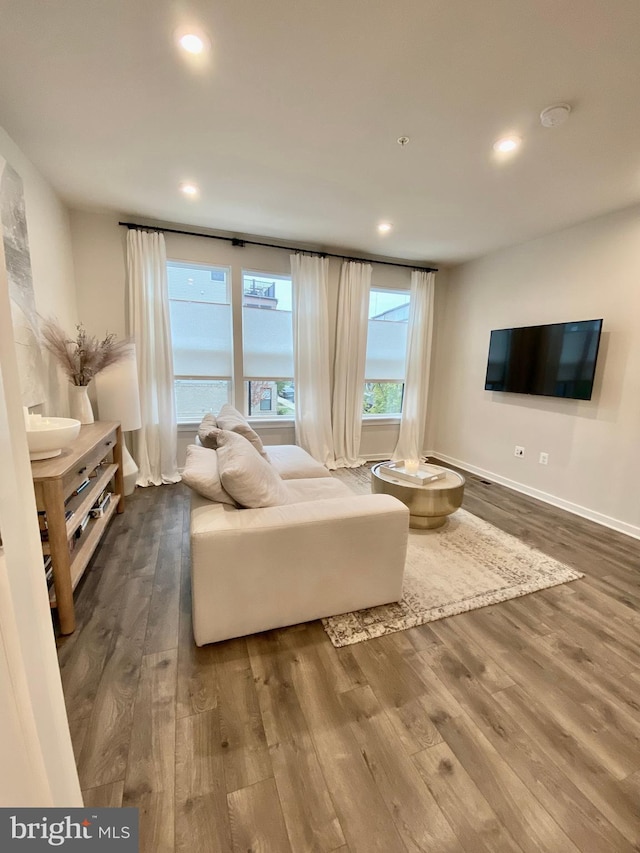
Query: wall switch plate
[[544, 459], [519, 451]]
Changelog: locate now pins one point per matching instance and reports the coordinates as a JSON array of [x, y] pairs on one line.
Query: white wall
[[99, 262], [99, 255], [51, 258], [588, 271]]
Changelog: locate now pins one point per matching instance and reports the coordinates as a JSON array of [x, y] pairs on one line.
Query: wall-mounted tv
[[556, 360]]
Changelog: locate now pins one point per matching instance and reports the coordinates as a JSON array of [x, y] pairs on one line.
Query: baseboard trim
[[384, 457], [583, 511]]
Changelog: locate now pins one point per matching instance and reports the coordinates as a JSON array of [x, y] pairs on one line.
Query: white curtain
[[351, 347], [36, 756], [309, 277], [418, 363], [156, 444]]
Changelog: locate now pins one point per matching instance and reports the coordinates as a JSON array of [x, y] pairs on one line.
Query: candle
[[411, 466]]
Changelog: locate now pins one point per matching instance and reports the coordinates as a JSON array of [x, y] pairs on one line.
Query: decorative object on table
[[47, 437], [80, 404], [464, 566], [100, 506], [119, 400], [413, 471], [81, 359]]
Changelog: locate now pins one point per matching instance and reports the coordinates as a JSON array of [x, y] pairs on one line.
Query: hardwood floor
[[511, 728]]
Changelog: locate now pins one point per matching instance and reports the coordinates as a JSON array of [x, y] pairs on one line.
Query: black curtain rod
[[236, 241]]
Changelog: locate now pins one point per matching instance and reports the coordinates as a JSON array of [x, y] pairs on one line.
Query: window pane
[[267, 329], [382, 398], [387, 335], [200, 313], [196, 397], [201, 336], [269, 398], [195, 283]]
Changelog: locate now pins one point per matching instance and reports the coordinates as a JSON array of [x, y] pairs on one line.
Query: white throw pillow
[[201, 474], [231, 419], [245, 475], [208, 432]]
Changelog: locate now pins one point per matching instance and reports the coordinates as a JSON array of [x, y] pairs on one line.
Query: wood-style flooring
[[511, 728]]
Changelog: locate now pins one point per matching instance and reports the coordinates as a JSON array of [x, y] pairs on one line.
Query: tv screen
[[557, 360]]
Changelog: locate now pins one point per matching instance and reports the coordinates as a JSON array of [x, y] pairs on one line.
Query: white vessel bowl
[[50, 436]]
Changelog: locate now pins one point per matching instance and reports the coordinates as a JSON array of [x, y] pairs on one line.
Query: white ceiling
[[290, 128]]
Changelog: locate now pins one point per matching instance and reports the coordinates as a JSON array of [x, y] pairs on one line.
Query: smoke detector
[[555, 115]]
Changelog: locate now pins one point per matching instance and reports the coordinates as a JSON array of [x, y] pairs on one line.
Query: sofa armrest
[[254, 569]]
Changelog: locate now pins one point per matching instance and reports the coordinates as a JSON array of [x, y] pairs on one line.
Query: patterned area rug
[[464, 565]]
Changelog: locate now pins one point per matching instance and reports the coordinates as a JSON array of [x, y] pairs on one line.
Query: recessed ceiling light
[[191, 42], [384, 227], [189, 189], [507, 144], [192, 39]]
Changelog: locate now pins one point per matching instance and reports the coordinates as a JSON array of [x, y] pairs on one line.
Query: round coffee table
[[429, 504]]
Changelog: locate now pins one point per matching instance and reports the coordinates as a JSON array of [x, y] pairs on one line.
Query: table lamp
[[119, 400]]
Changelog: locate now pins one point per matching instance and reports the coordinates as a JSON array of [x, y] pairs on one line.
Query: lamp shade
[[118, 394]]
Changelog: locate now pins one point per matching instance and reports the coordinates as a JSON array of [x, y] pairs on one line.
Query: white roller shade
[[386, 351], [201, 335], [268, 343]]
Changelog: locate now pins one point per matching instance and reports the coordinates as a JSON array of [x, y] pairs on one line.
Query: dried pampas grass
[[85, 356]]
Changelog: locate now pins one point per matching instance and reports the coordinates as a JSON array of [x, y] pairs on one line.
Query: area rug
[[464, 565]]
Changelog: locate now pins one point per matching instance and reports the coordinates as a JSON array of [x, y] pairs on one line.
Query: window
[[200, 312], [267, 344], [386, 352], [205, 351], [203, 342], [265, 400]]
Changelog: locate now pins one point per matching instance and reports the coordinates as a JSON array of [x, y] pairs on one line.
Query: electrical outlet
[[544, 459], [519, 451]]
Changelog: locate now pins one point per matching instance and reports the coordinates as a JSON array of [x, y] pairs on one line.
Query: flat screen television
[[556, 360]]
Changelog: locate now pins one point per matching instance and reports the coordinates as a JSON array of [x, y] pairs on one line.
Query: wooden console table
[[95, 455]]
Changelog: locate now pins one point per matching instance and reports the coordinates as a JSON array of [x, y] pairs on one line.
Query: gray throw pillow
[[246, 476]]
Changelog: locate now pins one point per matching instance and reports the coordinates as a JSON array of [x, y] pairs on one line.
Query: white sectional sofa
[[314, 550]]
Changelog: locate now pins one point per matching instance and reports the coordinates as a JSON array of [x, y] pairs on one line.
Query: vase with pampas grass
[[81, 358]]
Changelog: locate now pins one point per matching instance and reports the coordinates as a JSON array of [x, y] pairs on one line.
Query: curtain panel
[[349, 366], [311, 369], [416, 387], [156, 443]]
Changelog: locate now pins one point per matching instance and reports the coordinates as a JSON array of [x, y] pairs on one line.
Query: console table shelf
[[84, 551], [96, 455]]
